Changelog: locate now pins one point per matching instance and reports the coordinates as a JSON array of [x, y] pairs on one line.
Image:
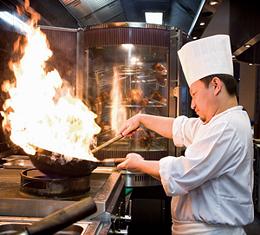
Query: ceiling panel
[[82, 13], [104, 14]]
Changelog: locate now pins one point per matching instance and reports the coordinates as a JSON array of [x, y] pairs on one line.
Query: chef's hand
[[130, 125], [132, 163]]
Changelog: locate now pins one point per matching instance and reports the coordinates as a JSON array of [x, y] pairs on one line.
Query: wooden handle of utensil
[[111, 141], [114, 160], [111, 161]]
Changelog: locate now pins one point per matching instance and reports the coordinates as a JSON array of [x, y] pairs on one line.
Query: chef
[[211, 184]]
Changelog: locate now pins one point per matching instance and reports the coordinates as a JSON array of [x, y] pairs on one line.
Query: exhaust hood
[[178, 13], [90, 12]]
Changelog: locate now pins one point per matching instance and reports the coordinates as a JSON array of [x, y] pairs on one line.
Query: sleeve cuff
[[167, 171]]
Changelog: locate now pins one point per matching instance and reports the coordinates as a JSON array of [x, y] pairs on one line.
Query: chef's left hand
[[132, 163]]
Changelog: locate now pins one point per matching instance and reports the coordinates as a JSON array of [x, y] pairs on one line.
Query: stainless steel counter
[[106, 185]]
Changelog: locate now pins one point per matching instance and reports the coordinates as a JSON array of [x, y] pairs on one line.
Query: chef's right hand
[[130, 125]]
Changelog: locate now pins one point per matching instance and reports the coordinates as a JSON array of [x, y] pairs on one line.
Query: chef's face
[[203, 100]]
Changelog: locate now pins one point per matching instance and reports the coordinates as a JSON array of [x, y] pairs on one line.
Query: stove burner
[[36, 183]]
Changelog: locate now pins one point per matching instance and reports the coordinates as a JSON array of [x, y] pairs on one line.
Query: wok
[[55, 164]]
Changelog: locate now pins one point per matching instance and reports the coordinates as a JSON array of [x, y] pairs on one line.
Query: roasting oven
[[134, 69], [128, 65]]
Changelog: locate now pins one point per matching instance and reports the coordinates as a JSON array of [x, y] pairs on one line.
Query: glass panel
[[124, 80]]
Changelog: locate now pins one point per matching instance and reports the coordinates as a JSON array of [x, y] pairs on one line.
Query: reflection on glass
[[124, 80]]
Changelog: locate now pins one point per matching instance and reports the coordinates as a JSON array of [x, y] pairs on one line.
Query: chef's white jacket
[[213, 182]]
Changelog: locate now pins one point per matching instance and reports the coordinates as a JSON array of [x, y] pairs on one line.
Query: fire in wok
[[40, 109]]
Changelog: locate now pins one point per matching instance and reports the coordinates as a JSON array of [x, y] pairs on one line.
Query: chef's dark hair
[[228, 80]]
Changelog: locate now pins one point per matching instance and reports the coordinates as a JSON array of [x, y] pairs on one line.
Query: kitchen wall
[[247, 88], [247, 74]]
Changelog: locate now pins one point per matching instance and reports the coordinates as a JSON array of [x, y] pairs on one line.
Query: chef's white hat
[[206, 56]]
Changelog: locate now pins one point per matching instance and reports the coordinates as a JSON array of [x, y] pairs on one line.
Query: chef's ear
[[216, 84]]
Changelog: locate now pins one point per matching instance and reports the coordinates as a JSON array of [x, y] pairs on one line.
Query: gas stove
[[106, 187]]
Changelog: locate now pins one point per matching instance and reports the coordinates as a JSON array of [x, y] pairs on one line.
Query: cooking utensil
[[107, 143], [55, 164], [62, 218]]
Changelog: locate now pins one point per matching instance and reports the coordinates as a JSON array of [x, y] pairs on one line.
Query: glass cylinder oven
[[125, 73]]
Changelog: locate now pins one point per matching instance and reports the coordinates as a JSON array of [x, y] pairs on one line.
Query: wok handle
[[63, 218], [111, 141]]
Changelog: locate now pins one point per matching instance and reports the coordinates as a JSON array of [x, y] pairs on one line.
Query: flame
[[41, 111], [118, 111]]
